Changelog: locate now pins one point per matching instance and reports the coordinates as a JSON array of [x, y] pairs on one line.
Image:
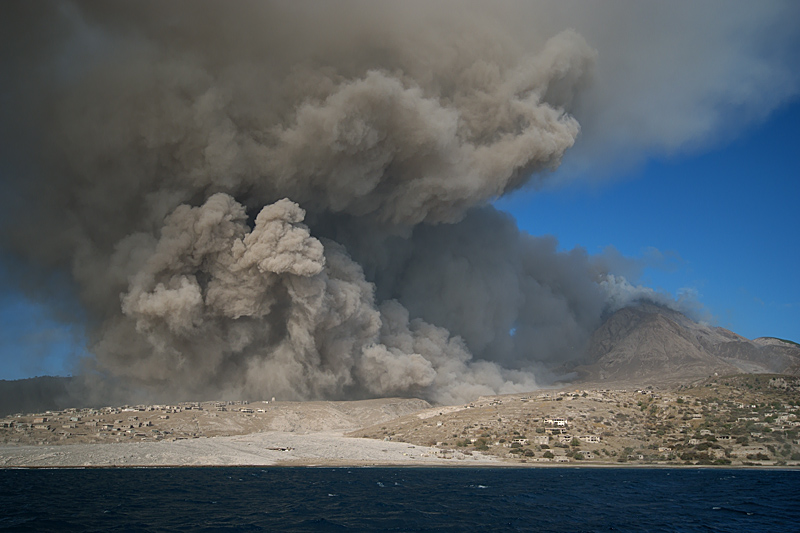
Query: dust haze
[[294, 199]]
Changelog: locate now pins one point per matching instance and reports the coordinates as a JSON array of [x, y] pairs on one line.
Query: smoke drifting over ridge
[[291, 200]]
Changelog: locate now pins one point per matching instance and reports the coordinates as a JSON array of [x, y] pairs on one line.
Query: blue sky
[[726, 220]]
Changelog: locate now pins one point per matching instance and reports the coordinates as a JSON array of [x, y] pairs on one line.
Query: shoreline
[[256, 449], [503, 465], [286, 450]]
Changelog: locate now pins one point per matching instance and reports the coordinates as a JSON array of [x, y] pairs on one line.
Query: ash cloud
[[292, 199]]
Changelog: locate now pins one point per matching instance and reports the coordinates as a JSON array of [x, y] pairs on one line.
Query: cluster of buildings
[[711, 423], [113, 424]]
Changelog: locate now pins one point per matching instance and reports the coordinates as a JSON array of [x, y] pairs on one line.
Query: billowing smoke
[[292, 199]]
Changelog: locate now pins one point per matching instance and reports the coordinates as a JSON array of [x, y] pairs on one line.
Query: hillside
[[650, 344], [39, 394], [740, 419]]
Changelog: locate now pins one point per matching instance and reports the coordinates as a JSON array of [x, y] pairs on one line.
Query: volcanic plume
[[293, 199]]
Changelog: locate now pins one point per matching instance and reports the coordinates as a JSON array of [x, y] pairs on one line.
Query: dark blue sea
[[399, 499]]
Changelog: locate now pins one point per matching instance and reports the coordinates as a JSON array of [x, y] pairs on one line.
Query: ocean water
[[400, 499]]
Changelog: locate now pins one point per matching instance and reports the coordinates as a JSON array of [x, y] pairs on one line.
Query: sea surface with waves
[[399, 499]]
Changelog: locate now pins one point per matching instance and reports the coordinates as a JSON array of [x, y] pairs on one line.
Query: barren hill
[[652, 344]]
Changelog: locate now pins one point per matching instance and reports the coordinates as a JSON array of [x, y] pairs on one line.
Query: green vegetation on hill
[[729, 420], [783, 340]]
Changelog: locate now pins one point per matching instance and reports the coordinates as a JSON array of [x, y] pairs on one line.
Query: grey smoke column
[[290, 199], [182, 149]]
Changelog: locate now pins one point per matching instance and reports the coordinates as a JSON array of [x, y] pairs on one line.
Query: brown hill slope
[[649, 344]]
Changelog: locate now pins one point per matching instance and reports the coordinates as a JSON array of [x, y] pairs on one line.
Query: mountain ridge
[[652, 344]]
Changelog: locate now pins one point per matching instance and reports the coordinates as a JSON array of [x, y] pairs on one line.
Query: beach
[[271, 448]]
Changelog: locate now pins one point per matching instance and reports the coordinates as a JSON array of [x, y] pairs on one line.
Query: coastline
[[701, 427], [255, 449], [284, 450]]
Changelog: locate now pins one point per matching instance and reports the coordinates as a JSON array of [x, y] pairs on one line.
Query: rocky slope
[[652, 344], [740, 419]]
